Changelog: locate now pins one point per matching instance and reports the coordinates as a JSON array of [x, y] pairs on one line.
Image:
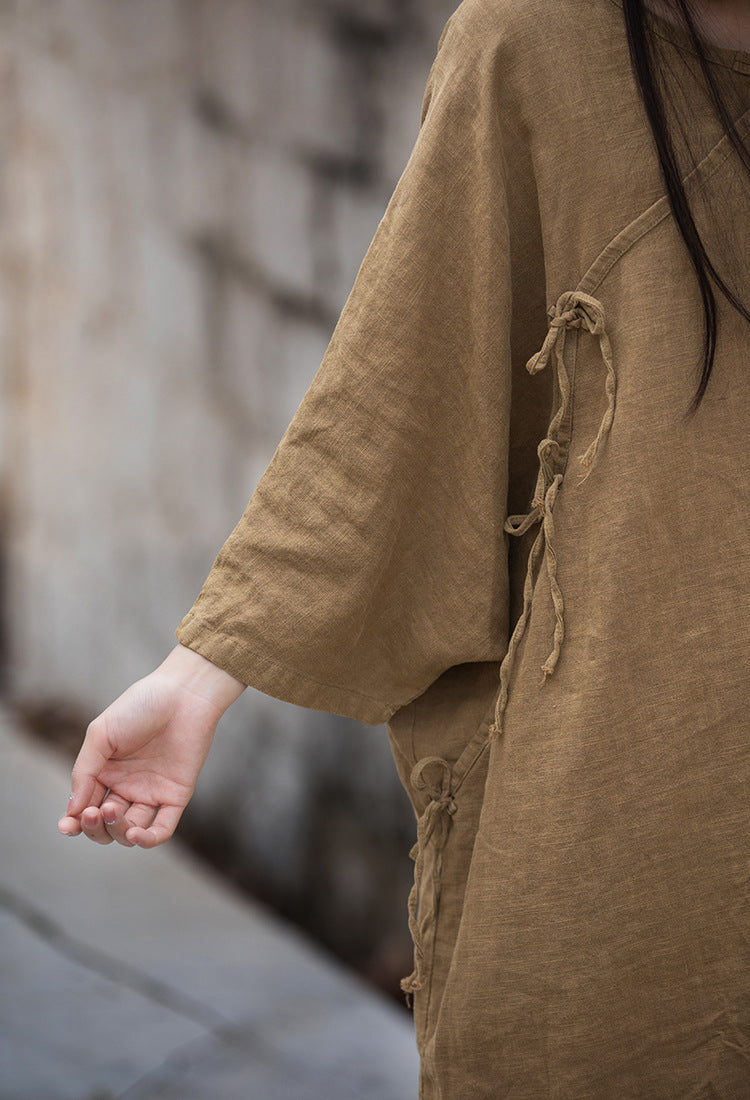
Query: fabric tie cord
[[432, 826], [573, 309], [441, 781]]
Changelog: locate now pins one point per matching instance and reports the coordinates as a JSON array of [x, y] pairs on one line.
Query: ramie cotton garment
[[492, 526]]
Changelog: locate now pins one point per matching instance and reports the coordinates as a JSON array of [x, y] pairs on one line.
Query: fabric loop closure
[[432, 832], [439, 794], [442, 782]]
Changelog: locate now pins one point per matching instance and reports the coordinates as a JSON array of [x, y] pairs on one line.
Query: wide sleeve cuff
[[262, 672]]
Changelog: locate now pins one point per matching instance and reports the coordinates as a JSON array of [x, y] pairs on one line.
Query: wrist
[[201, 676]]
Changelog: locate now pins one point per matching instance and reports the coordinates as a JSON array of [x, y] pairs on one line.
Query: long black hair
[[644, 56]]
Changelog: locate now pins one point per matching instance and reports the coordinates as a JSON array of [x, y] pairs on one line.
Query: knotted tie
[[573, 309], [432, 827]]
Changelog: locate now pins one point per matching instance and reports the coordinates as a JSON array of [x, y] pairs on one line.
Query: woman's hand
[[137, 768]]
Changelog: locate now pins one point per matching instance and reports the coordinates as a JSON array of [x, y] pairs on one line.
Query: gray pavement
[[135, 974]]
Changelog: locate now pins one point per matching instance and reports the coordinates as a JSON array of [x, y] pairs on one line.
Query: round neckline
[[679, 36]]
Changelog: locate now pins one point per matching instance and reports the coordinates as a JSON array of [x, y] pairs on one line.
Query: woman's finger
[[138, 814], [93, 825], [160, 829], [119, 814], [69, 826], [72, 823], [94, 753]]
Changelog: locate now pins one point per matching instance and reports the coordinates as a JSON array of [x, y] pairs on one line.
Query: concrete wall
[[187, 189]]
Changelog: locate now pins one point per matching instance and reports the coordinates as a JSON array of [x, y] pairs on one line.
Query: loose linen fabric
[[489, 526]]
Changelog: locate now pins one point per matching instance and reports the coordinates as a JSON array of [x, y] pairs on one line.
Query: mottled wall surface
[[187, 189]]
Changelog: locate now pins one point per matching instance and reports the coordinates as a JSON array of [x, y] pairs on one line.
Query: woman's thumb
[[93, 755]]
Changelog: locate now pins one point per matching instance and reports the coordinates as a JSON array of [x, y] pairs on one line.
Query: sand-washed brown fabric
[[489, 527]]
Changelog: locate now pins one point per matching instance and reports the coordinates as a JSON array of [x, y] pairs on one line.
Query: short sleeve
[[371, 556]]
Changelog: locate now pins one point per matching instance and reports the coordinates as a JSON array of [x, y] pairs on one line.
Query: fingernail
[[109, 820], [70, 800]]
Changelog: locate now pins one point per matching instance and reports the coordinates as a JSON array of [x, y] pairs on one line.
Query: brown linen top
[[515, 358]]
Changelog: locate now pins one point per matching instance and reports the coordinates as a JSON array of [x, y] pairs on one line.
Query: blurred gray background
[[187, 189]]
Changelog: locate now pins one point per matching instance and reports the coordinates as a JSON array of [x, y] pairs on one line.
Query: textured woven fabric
[[489, 526]]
